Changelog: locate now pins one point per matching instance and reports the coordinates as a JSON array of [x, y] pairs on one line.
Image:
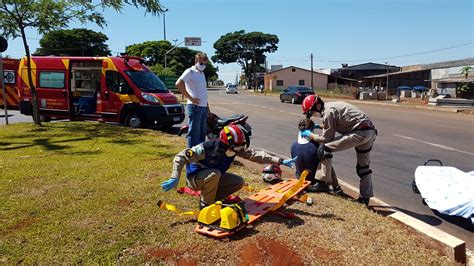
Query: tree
[[153, 52], [246, 49], [161, 71], [74, 42], [46, 15], [465, 88]]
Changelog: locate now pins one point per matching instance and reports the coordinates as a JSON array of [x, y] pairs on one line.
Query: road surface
[[14, 116], [407, 138]]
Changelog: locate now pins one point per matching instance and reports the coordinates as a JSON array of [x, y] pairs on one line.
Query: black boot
[[202, 205], [337, 190], [318, 187], [364, 200]]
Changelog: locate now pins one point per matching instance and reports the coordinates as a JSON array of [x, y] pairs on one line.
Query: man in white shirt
[[192, 84]]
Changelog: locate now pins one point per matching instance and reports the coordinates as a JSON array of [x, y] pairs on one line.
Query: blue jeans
[[197, 124]]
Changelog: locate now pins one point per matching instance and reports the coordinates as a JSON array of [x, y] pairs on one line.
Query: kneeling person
[[207, 164], [308, 158]]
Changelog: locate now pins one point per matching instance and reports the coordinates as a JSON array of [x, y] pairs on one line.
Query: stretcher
[[222, 220], [254, 207], [446, 189]]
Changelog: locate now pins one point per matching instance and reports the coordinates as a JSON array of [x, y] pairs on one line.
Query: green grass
[[87, 192]]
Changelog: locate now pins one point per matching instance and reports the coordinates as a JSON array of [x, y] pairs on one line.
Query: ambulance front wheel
[[134, 121]]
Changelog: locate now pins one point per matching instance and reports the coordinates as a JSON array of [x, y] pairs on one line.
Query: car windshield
[[146, 81], [303, 89]]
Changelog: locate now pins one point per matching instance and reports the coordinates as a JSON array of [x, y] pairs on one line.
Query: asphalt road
[[14, 116], [407, 138]]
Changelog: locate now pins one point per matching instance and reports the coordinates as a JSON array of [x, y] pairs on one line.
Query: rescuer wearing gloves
[[207, 164], [357, 131]]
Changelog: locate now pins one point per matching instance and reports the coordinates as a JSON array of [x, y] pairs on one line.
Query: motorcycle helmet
[[271, 174], [309, 105], [235, 136]]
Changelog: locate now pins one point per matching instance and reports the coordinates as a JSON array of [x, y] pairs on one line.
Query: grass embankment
[[86, 192]]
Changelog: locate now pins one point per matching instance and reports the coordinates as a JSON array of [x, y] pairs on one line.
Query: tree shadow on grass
[[45, 143]]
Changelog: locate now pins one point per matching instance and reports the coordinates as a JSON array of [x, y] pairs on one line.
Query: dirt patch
[[325, 255], [269, 252], [125, 202], [22, 224], [170, 255]]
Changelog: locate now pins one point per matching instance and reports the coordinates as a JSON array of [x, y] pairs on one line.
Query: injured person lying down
[[306, 152]]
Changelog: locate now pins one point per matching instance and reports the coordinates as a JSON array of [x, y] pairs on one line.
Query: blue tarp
[[404, 88], [420, 88]]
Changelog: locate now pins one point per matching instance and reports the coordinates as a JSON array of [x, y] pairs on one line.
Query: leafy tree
[[160, 70], [246, 49], [178, 60], [465, 88], [46, 15], [74, 42], [152, 51]]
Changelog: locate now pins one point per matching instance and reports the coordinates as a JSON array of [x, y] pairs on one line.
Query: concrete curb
[[451, 246]]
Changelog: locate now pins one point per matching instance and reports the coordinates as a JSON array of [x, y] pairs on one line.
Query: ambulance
[[10, 70], [108, 89]]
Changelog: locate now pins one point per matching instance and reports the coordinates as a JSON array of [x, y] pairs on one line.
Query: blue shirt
[[307, 158]]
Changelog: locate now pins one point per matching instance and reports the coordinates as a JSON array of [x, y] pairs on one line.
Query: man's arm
[[182, 89], [329, 128], [191, 155], [185, 77], [259, 156]]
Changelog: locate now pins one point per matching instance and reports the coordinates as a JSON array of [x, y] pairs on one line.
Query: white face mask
[[230, 153], [200, 67]]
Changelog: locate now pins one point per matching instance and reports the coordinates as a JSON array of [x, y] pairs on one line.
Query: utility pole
[[254, 70], [4, 92], [164, 23], [312, 85], [386, 90]]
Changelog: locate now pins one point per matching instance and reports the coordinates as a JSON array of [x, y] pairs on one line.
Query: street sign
[[8, 76], [192, 41], [3, 44], [170, 82]]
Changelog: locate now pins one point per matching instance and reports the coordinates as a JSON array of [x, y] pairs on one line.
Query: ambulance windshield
[[146, 81]]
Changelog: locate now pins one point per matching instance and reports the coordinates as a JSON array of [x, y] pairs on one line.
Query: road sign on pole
[[192, 41]]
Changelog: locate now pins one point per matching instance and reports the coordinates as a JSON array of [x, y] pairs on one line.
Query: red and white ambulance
[[110, 89], [10, 70]]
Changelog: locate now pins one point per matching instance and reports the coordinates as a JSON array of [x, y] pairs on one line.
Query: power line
[[304, 58], [405, 55]]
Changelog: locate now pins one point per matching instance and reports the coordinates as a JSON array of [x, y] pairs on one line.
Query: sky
[[399, 32]]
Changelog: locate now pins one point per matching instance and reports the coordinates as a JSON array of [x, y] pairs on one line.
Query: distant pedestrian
[[192, 85]]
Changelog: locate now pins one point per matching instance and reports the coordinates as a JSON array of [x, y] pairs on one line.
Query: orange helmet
[[309, 105], [234, 136]]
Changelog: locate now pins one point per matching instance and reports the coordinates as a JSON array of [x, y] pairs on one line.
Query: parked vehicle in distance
[[295, 94], [109, 89], [231, 89]]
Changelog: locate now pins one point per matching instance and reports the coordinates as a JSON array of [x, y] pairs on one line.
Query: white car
[[231, 89]]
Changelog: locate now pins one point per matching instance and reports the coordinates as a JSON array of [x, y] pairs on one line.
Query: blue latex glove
[[169, 184], [306, 133], [289, 162]]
